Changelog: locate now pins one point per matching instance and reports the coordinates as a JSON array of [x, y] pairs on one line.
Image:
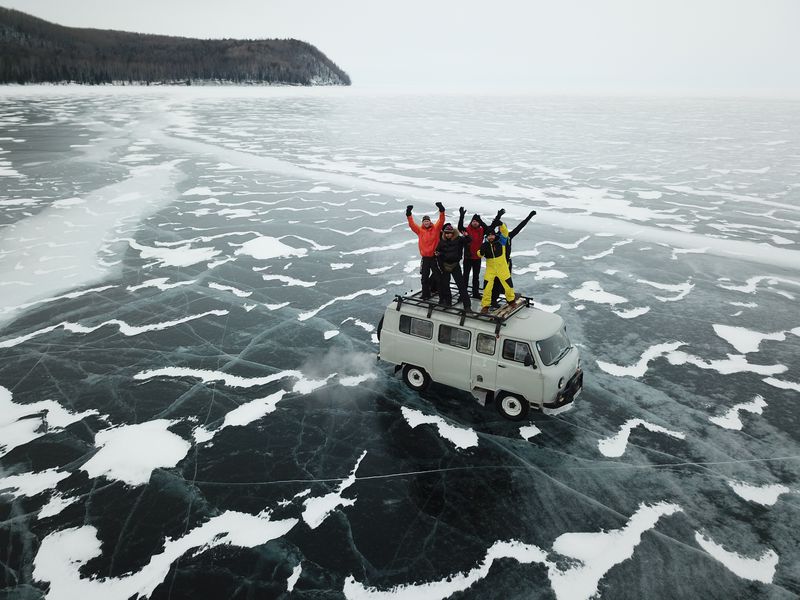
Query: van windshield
[[553, 348]]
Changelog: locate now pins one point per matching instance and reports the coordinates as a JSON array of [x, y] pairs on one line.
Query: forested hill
[[34, 51]]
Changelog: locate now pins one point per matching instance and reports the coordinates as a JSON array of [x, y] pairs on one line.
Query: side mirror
[[529, 362]]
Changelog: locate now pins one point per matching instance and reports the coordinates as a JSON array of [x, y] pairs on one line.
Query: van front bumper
[[570, 391]]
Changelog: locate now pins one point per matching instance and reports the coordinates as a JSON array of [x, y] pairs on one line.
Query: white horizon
[[685, 48]]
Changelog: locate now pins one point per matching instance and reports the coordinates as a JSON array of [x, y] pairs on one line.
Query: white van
[[519, 356]]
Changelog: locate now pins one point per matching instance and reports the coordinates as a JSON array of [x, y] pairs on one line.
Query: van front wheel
[[511, 406], [416, 378]]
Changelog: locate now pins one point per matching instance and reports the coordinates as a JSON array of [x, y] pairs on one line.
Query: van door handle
[[502, 366]]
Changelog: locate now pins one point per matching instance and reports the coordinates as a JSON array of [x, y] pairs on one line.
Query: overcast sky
[[601, 46]]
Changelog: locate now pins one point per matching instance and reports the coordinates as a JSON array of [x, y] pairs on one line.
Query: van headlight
[[560, 383]]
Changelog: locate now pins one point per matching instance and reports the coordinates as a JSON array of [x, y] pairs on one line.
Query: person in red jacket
[[472, 262], [429, 234]]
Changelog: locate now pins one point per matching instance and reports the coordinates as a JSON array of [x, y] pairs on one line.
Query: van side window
[[418, 327], [516, 351], [460, 338], [485, 344]]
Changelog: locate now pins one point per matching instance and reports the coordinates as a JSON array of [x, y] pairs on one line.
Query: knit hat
[[447, 227], [426, 218]]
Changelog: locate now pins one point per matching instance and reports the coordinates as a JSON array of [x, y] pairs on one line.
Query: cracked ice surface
[[190, 402]]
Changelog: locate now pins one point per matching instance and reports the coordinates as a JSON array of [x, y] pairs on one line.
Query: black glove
[[409, 208], [462, 211], [533, 212], [440, 206], [501, 212]]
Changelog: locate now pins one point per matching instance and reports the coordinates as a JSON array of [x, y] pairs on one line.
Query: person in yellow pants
[[494, 249]]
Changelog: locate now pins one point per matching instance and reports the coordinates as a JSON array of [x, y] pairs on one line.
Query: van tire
[[416, 378], [512, 406]]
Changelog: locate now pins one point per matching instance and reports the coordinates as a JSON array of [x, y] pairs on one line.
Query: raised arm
[[522, 224], [440, 221], [414, 227], [498, 216], [461, 212]]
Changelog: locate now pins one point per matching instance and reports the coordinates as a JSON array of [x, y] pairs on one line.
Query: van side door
[[452, 356], [414, 343], [484, 362], [513, 375]]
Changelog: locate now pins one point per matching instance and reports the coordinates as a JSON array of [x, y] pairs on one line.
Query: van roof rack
[[498, 317]]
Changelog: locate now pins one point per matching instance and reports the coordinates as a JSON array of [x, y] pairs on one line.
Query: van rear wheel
[[416, 378], [512, 407]]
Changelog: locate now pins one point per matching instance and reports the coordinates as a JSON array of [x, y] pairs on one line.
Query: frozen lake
[[190, 405]]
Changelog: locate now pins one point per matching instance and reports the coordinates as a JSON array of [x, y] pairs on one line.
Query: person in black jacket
[[449, 253], [511, 234]]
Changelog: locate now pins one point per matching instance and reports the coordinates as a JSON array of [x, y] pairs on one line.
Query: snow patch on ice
[[22, 423], [228, 288], [754, 569], [264, 247], [305, 385], [751, 285], [124, 328], [594, 554], [56, 505], [63, 554], [460, 437], [307, 315], [373, 249], [766, 495], [735, 363], [180, 256], [529, 431], [378, 270], [155, 447], [598, 553], [369, 327], [731, 420], [160, 283], [640, 368], [242, 415], [208, 376], [439, 590], [565, 246], [293, 578], [683, 289], [203, 191], [318, 508], [615, 445], [289, 281], [632, 313], [31, 484], [614, 246], [745, 340], [354, 380], [590, 291], [782, 384]]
